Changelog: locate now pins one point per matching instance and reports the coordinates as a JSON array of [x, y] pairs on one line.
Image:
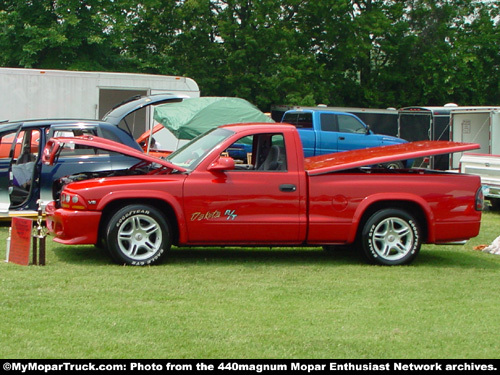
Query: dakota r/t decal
[[199, 216]]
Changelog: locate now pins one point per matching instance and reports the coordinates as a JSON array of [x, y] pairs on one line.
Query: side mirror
[[222, 164], [368, 129]]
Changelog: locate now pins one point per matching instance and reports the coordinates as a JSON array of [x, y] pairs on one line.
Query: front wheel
[[391, 237], [138, 235]]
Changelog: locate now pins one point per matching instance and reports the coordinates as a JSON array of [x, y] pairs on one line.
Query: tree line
[[371, 53]]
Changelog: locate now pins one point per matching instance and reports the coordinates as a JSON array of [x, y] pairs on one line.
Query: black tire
[[138, 235], [391, 237]]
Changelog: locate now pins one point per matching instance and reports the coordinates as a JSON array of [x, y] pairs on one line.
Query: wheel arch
[[416, 209], [165, 207]]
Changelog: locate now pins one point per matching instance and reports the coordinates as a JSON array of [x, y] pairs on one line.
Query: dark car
[[25, 182]]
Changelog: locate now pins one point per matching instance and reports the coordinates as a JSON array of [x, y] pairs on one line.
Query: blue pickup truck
[[324, 131]]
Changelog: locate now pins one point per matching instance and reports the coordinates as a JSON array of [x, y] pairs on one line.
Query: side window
[[109, 135], [350, 124], [329, 122], [241, 152], [261, 152], [299, 120], [27, 144], [71, 150]]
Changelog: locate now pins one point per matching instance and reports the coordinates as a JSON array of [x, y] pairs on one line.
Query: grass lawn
[[253, 303]]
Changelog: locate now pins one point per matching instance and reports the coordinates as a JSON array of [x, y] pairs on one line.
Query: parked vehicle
[[24, 180], [324, 131], [199, 197], [480, 125], [380, 121], [487, 167]]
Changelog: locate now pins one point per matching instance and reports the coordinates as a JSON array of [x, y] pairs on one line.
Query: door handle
[[342, 138], [288, 188]]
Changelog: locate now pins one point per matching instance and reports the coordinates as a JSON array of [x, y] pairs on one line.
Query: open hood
[[55, 145], [380, 155]]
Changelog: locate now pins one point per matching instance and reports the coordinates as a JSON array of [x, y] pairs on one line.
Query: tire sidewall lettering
[[149, 261], [129, 214]]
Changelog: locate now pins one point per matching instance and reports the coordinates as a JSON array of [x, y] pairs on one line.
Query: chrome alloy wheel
[[392, 238], [139, 237]]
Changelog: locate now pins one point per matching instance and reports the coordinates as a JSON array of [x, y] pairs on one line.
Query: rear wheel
[[138, 235], [391, 237]]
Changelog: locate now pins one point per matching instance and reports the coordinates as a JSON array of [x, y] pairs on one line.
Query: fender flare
[[388, 197], [150, 195]]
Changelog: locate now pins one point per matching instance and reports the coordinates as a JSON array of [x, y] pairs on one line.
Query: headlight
[[72, 201]]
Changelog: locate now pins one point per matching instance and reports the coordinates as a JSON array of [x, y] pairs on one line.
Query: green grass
[[253, 303]]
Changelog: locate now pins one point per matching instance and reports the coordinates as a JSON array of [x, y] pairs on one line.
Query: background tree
[[369, 53], [64, 34]]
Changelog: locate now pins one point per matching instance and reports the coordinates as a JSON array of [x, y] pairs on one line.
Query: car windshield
[[191, 154]]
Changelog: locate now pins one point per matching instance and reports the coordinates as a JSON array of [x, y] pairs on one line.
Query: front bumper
[[72, 227]]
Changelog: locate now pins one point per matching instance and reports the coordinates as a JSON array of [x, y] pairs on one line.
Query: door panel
[[328, 135], [242, 207], [253, 204]]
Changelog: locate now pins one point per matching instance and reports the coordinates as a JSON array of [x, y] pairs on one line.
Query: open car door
[[8, 141]]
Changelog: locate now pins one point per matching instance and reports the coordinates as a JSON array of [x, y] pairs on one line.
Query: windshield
[[191, 154]]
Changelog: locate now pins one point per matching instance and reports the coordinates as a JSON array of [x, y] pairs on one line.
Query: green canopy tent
[[194, 116]]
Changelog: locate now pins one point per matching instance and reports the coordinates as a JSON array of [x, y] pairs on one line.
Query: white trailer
[[35, 93], [478, 125]]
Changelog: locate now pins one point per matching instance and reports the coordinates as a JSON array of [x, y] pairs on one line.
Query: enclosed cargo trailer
[[481, 126], [40, 93]]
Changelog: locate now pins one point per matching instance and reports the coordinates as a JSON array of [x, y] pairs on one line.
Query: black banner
[[250, 366]]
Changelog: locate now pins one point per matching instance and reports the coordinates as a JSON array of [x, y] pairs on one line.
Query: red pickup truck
[[201, 196]]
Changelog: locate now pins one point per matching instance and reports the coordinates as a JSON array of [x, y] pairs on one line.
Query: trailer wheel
[[391, 237], [138, 235]]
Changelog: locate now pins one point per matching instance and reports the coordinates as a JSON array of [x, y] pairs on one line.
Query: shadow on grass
[[228, 255], [314, 255], [300, 256]]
